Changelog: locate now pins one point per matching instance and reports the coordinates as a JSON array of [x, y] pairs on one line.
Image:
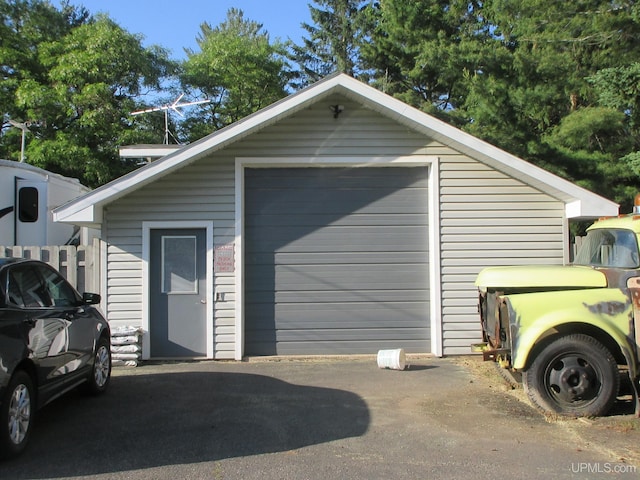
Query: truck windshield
[[609, 248]]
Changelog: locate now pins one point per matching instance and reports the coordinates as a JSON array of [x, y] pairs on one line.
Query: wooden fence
[[79, 265]]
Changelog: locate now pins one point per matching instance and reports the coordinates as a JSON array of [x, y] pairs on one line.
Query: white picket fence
[[79, 265]]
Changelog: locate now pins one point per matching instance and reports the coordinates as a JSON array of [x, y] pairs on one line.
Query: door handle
[[203, 300]]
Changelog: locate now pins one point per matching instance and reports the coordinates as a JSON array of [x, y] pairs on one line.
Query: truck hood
[[537, 276]]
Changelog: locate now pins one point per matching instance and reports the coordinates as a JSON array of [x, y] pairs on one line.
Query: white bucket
[[393, 359]]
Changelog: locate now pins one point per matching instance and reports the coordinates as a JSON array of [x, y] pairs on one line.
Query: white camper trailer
[[28, 194]]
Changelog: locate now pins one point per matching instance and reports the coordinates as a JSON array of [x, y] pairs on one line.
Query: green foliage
[[619, 87], [24, 25], [547, 103], [340, 29], [238, 68], [632, 160], [590, 144], [77, 78], [592, 129], [527, 76], [420, 51]]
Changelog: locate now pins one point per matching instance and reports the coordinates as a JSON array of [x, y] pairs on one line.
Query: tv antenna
[[165, 108], [24, 126]]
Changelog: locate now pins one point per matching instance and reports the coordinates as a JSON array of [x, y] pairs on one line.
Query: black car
[[52, 339]]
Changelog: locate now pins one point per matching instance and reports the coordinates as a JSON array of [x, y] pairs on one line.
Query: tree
[[531, 77], [340, 28], [238, 68], [23, 26], [589, 145], [422, 51], [79, 77], [618, 92], [549, 48]]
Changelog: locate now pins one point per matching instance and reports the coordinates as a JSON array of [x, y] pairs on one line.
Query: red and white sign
[[223, 258]]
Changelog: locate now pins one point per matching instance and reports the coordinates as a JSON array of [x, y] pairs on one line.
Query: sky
[[176, 24]]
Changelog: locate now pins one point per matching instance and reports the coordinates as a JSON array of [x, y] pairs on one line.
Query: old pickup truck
[[571, 331]]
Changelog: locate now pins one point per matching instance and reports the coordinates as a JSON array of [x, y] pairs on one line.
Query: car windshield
[[609, 248]]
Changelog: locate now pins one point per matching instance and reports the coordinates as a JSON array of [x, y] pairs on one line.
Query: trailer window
[[28, 204]]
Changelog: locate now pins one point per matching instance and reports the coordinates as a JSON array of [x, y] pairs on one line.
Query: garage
[[338, 220], [336, 260]]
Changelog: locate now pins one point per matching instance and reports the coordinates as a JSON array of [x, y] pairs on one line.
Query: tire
[[574, 375], [17, 414], [98, 379]]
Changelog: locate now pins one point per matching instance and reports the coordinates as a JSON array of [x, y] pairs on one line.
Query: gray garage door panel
[[318, 297], [319, 346], [338, 239], [332, 316], [336, 260], [319, 258], [365, 219]]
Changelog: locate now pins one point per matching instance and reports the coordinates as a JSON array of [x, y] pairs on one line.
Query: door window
[[28, 204], [179, 273]]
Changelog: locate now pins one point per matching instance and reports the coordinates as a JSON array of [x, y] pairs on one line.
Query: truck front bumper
[[499, 355]]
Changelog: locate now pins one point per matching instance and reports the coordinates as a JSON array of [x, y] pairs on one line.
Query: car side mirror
[[91, 298]]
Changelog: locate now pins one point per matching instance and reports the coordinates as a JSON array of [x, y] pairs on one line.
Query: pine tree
[[334, 42]]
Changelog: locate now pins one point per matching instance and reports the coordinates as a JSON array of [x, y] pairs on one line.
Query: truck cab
[[572, 331]]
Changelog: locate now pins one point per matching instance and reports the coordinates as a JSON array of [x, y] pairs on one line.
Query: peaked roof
[[580, 203]]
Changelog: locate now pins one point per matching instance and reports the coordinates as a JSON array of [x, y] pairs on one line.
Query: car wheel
[[574, 375], [100, 375], [18, 408]]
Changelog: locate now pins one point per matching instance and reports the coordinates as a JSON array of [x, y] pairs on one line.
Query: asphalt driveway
[[319, 419]]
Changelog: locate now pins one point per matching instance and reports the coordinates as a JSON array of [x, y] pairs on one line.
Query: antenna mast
[[165, 108]]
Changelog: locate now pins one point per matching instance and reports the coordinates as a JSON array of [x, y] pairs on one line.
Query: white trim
[[318, 162], [146, 255], [104, 277], [435, 271], [566, 234], [351, 161], [239, 261]]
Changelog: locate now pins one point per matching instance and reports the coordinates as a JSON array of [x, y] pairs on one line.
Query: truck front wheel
[[574, 375]]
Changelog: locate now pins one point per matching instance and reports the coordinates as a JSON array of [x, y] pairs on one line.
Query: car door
[[48, 321], [80, 323]]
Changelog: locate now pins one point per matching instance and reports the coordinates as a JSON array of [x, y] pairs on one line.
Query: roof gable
[[580, 203]]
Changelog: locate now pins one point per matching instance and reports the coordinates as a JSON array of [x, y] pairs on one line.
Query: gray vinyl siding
[[203, 191], [487, 218]]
